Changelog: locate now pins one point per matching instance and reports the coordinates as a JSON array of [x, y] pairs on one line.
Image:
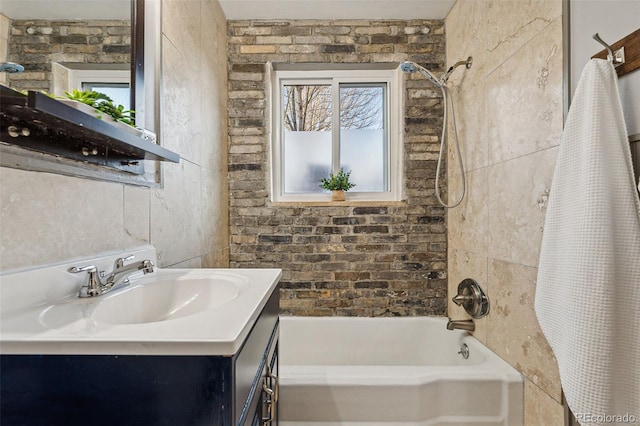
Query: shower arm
[[443, 79]]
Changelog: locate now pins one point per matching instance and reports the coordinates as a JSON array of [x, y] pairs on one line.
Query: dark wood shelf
[[40, 123]]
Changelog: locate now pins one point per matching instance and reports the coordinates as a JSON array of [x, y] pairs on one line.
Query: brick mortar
[[351, 258]]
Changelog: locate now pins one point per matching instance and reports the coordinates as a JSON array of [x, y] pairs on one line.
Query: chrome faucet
[[119, 277], [467, 324]]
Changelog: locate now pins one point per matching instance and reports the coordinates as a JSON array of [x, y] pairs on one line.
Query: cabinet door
[[273, 381], [250, 362], [263, 403]]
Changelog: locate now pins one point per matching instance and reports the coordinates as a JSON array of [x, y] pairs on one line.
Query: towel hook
[[617, 57]]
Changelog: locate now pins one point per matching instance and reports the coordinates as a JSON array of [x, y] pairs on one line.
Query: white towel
[[588, 288]]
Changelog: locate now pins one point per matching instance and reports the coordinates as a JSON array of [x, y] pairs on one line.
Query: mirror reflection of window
[[118, 92], [111, 79]]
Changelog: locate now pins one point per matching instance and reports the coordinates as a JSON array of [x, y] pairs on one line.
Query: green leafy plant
[[87, 97], [117, 112], [102, 103], [337, 182]]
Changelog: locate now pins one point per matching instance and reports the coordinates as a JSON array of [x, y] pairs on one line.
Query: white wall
[[613, 20]]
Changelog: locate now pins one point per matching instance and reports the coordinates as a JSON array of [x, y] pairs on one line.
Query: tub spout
[[468, 325]]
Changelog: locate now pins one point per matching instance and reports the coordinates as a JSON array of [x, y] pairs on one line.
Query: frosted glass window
[[363, 148], [307, 159], [327, 120]]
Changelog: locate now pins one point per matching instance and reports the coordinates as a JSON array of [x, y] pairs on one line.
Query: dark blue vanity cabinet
[[147, 390], [256, 369]]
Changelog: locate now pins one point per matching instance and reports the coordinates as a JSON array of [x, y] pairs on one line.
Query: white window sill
[[329, 203]]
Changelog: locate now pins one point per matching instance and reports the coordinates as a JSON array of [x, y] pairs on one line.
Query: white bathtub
[[391, 371]]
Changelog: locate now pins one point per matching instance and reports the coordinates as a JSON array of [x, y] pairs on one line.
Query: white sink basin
[[165, 299], [167, 312], [150, 299]]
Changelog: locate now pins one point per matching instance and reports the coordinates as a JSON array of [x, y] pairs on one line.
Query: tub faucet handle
[[460, 299], [472, 298]]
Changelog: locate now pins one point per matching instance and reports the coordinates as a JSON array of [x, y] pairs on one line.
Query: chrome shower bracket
[[471, 297]]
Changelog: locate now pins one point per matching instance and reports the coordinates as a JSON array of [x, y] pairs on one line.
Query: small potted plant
[[337, 184]]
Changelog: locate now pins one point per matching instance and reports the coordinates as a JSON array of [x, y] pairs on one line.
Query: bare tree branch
[[360, 108], [309, 108]]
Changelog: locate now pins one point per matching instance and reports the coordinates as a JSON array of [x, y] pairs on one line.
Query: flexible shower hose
[[447, 100]]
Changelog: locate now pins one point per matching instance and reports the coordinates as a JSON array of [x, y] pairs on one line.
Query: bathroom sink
[[166, 299], [150, 299], [165, 312]]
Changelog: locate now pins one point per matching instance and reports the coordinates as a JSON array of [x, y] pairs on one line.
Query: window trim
[[390, 76], [77, 77]]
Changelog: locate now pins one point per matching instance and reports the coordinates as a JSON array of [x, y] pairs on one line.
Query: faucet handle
[[93, 285], [460, 299], [119, 263], [89, 268], [471, 297], [147, 266]]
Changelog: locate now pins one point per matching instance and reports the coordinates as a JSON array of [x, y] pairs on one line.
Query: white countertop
[[25, 327]]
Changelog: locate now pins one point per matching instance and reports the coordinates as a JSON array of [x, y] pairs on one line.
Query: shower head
[[411, 67], [11, 67]]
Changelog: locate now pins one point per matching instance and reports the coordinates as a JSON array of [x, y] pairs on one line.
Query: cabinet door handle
[[276, 384], [270, 400]]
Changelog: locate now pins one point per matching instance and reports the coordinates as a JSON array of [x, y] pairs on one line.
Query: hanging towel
[[588, 288]]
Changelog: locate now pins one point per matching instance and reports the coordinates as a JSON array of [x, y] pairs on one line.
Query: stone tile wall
[[510, 112], [35, 44], [371, 259]]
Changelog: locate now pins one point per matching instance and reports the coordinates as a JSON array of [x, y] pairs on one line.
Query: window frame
[[391, 77], [79, 77]]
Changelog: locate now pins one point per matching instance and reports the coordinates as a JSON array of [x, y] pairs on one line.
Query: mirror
[[69, 44], [100, 43]]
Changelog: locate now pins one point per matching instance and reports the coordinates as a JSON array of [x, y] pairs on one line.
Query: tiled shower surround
[[358, 259], [510, 111]]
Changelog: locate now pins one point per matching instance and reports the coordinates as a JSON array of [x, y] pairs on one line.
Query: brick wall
[[35, 44], [358, 259]]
